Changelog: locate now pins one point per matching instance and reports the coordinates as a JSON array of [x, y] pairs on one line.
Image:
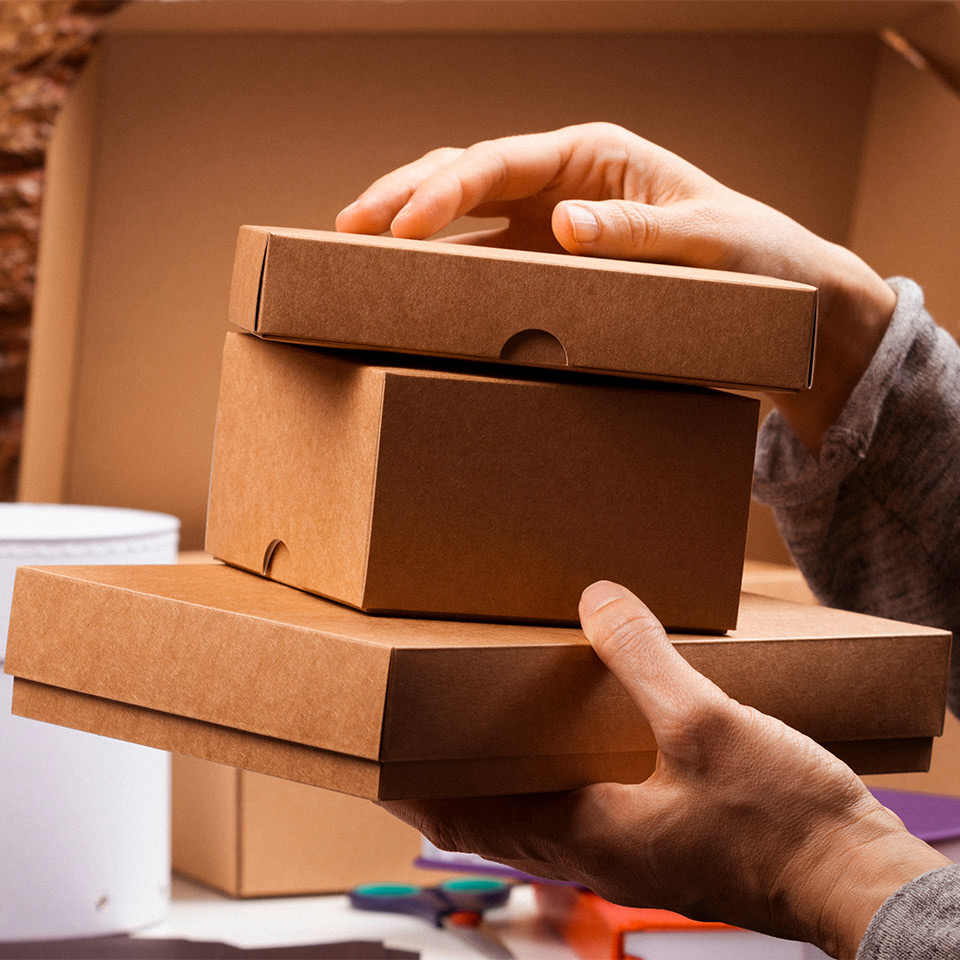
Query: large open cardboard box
[[198, 117], [251, 835]]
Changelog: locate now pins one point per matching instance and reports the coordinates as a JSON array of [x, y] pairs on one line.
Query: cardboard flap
[[248, 269], [214, 644], [935, 33]]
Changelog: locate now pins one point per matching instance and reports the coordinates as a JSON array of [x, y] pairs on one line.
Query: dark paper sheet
[[136, 948]]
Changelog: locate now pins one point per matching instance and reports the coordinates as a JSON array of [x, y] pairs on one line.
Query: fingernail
[[402, 212], [599, 594], [586, 227]]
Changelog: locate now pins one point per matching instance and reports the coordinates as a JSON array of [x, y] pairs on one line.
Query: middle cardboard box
[[443, 492]]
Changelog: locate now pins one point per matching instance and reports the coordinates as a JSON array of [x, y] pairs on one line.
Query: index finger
[[511, 168], [373, 210]]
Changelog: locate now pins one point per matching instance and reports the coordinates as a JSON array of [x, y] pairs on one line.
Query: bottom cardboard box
[[397, 780], [211, 662], [250, 835]]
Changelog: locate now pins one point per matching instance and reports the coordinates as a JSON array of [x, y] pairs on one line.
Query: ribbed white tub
[[84, 821]]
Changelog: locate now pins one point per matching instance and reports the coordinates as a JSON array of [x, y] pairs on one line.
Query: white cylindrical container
[[84, 820]]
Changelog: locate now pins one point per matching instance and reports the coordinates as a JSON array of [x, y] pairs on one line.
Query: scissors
[[456, 905]]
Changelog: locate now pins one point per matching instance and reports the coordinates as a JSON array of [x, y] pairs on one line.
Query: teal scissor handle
[[475, 894], [431, 903]]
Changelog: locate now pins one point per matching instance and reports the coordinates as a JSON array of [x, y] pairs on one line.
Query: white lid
[[25, 523], [46, 534]]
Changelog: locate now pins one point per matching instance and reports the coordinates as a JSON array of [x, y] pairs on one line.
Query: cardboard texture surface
[[209, 661], [438, 493], [542, 309], [250, 835], [423, 16]]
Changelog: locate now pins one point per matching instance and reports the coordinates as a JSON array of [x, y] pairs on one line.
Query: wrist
[[849, 877], [854, 312]]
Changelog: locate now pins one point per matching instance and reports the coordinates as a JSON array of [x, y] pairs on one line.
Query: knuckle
[[484, 173], [445, 154], [640, 231], [716, 721], [499, 170], [607, 130], [703, 732], [717, 234], [444, 836], [622, 631], [483, 148]]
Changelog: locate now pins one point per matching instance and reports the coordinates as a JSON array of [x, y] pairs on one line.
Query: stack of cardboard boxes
[[440, 517]]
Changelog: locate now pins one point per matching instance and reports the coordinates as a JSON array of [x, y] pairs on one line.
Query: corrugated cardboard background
[[142, 287]]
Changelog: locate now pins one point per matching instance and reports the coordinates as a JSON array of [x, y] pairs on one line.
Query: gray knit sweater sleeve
[[874, 524], [921, 921]]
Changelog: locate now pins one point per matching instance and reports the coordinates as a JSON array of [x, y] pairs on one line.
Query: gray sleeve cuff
[[921, 921], [786, 473]]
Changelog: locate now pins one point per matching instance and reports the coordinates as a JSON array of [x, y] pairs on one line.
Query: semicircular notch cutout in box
[[534, 347]]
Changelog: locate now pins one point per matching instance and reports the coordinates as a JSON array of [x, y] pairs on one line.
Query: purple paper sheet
[[930, 817]]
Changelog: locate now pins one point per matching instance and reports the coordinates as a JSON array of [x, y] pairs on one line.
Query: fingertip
[[599, 594], [584, 223], [421, 217], [402, 224], [613, 617], [359, 217], [575, 226], [629, 639], [344, 219]]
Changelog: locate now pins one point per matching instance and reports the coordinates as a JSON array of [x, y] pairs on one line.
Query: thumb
[[626, 230], [629, 639]]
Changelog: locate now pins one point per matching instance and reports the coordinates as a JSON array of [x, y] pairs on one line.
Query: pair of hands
[[745, 820]]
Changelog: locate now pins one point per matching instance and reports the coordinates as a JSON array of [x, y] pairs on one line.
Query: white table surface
[[198, 913]]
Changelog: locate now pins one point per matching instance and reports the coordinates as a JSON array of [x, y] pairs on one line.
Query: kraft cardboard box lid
[[542, 309], [226, 648]]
